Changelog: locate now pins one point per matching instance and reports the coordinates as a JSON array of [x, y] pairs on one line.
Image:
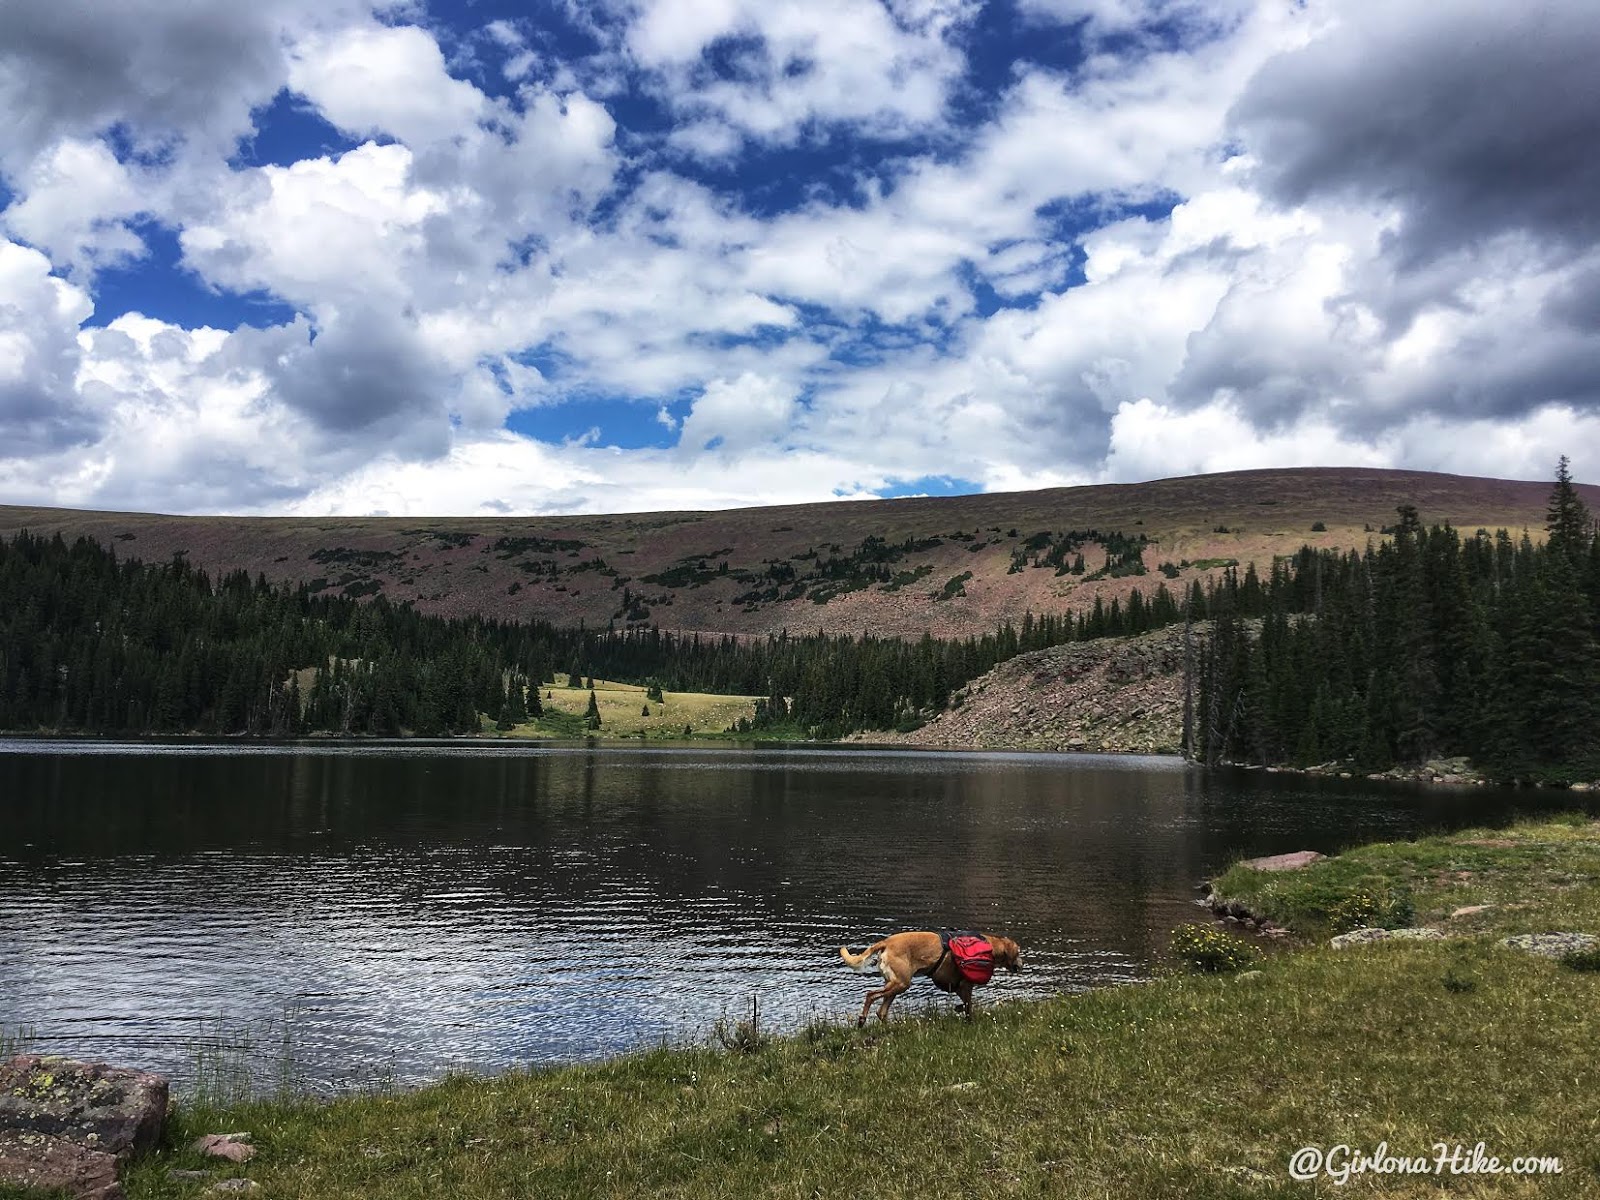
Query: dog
[[900, 957]]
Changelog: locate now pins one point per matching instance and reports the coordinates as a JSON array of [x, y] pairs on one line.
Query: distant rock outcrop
[[1121, 695], [68, 1125]]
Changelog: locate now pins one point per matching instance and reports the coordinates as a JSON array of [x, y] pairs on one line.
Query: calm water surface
[[420, 907]]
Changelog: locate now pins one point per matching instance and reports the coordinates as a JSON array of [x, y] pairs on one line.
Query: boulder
[[1362, 937], [51, 1164], [1551, 945], [67, 1125], [110, 1109], [1284, 862], [235, 1147]]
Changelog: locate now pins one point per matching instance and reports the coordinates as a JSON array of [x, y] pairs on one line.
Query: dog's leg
[[872, 998], [964, 990], [892, 989]]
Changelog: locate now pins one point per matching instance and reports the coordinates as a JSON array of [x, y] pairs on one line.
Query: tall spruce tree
[[1568, 527]]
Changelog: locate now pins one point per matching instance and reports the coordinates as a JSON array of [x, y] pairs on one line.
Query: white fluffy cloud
[[735, 415], [385, 79], [1163, 258], [783, 67], [41, 408], [77, 199]]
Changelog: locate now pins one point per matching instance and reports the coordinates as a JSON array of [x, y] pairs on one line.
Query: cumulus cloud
[[771, 71], [40, 408], [164, 72], [737, 414], [365, 372], [1474, 119], [1189, 237], [77, 199], [385, 79]]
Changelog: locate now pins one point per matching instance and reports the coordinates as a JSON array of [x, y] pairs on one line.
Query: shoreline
[[1456, 772]]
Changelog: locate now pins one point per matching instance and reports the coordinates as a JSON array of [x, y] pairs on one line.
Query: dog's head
[[1007, 953]]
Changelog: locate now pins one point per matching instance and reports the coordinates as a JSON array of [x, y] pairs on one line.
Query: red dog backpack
[[974, 958]]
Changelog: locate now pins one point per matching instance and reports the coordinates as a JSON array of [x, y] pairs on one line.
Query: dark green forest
[[1429, 644], [1425, 644]]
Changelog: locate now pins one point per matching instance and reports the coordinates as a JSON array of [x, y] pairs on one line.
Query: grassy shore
[[1191, 1085]]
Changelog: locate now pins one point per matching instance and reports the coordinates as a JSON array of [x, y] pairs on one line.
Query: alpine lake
[[341, 916]]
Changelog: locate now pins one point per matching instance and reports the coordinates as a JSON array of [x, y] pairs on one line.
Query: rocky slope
[[1112, 695]]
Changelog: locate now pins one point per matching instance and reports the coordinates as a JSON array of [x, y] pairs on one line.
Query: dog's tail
[[862, 961]]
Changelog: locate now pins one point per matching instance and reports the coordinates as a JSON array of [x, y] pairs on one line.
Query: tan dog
[[900, 957]]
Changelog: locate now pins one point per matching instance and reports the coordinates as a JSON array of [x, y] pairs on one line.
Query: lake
[[404, 909]]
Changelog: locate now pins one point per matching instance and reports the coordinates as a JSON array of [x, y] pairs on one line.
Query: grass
[[1552, 866], [622, 716], [1193, 1085]]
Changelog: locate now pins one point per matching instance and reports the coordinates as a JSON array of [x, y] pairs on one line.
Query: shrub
[[1582, 960], [1458, 981], [1371, 908], [1319, 527], [1207, 949], [743, 1037]]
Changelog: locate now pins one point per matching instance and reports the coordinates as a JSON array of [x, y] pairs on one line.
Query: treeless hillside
[[946, 565]]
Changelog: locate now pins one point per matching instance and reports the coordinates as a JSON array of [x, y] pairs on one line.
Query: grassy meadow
[[622, 707], [1191, 1085]]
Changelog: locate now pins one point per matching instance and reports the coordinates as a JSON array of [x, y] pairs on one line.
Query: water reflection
[[424, 907]]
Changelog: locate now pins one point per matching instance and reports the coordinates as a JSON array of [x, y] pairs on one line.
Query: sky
[[461, 257]]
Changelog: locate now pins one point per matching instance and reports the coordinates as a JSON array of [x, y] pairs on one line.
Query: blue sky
[[468, 256]]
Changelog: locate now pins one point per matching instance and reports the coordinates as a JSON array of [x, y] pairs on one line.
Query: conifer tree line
[[1426, 644], [96, 644]]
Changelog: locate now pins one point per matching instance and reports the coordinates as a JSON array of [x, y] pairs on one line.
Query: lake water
[[415, 908]]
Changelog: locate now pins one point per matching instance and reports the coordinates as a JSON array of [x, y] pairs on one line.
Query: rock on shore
[[68, 1125]]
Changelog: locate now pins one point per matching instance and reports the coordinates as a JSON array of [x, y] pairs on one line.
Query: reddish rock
[[50, 1164], [235, 1147], [1284, 862], [111, 1109], [65, 1125]]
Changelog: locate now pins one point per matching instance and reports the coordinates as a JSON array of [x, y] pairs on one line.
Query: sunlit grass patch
[[622, 712]]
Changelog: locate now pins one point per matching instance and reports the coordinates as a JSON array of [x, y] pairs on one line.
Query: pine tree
[[592, 715], [1568, 525]]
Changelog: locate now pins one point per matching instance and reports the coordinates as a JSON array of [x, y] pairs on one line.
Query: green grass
[[1192, 1085], [622, 713], [1551, 868]]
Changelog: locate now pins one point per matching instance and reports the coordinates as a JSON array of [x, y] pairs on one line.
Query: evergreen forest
[[1426, 643]]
